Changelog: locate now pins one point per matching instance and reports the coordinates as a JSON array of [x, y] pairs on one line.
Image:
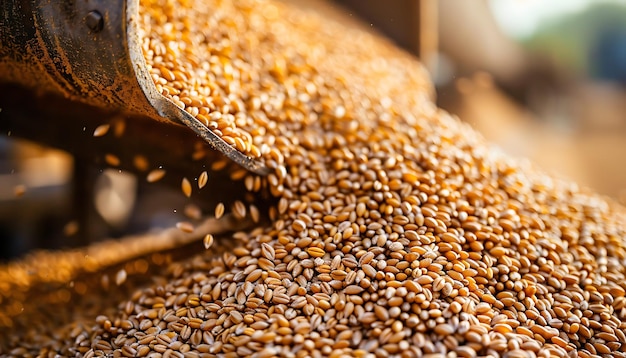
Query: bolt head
[[94, 21]]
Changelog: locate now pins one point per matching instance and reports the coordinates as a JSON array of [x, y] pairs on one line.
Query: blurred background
[[542, 80]]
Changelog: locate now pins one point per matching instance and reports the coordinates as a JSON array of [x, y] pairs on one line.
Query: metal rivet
[[94, 21]]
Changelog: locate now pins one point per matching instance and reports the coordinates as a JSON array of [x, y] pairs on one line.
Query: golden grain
[[185, 226], [120, 277], [268, 251], [393, 230], [101, 130], [255, 215], [112, 160], [219, 210], [185, 186], [203, 179], [193, 212], [239, 209], [141, 162], [119, 126], [155, 175], [316, 251]]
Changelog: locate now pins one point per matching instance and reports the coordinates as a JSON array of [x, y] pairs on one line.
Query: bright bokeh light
[[521, 18]]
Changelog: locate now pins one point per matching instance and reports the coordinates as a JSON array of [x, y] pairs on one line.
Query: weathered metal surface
[[89, 52]]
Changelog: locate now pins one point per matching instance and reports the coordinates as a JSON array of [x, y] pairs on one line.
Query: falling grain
[[219, 210], [255, 215], [239, 209], [112, 160], [120, 277], [185, 226], [119, 127], [185, 186], [101, 130], [208, 241], [193, 212], [155, 175], [203, 179], [141, 162]]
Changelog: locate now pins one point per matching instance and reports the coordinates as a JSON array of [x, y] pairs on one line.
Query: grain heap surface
[[393, 229]]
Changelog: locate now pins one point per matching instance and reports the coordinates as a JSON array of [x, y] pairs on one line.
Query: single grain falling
[[141, 162], [185, 186], [249, 182], [193, 212], [112, 160], [120, 277], [218, 165], [198, 154], [119, 127], [255, 215], [203, 179], [207, 241], [185, 226], [155, 175], [219, 210], [101, 130], [239, 209]]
